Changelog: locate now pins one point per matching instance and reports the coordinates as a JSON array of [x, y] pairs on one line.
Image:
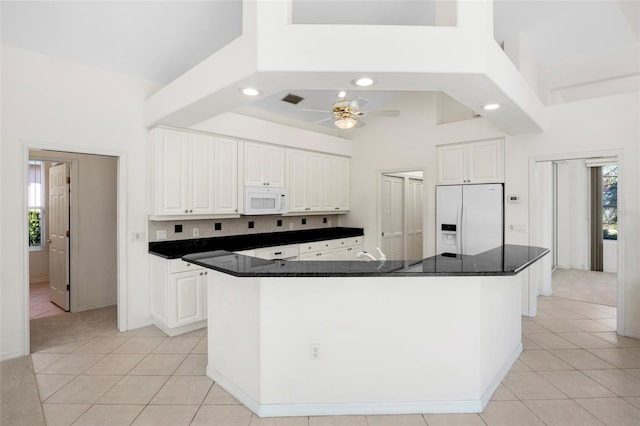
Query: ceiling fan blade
[[315, 110], [390, 113], [359, 124], [358, 102], [322, 121]]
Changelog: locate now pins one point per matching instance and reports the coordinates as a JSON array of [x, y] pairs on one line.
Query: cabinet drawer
[[319, 245], [349, 242], [279, 252], [179, 265]]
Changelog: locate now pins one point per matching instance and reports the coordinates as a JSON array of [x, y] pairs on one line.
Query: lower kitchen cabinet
[[338, 249], [178, 295]]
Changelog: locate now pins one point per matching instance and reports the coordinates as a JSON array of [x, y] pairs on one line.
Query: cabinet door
[[485, 162], [186, 289], [226, 176], [451, 165], [201, 174], [172, 164], [329, 182], [253, 164], [342, 183], [296, 180], [313, 180], [273, 165]]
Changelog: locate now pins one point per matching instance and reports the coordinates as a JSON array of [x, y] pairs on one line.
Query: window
[[610, 202], [35, 205]]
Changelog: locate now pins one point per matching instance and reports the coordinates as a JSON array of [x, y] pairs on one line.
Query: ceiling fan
[[345, 113]]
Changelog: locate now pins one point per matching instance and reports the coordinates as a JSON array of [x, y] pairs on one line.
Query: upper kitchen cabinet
[[476, 162], [191, 175], [263, 165], [317, 182]]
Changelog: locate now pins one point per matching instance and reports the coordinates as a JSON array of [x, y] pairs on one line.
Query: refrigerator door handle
[[459, 229]]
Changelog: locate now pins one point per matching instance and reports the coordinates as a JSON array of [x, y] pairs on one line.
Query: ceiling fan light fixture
[[250, 91], [363, 81], [345, 123]]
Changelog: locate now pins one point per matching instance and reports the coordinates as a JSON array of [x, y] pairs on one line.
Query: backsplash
[[244, 225]]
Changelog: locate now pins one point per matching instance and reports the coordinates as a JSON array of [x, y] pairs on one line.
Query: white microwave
[[263, 200]]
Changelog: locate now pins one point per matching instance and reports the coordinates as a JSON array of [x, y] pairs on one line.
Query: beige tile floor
[[574, 370], [39, 304]]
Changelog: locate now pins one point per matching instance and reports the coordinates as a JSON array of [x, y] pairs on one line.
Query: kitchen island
[[327, 338]]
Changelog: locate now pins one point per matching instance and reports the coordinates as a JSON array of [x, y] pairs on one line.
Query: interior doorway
[[569, 216], [73, 243], [401, 215]]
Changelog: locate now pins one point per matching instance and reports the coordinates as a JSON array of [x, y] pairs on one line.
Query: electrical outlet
[[137, 236], [314, 351], [161, 234], [291, 226], [196, 232]]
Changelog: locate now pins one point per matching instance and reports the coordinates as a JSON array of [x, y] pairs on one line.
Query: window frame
[[39, 205]]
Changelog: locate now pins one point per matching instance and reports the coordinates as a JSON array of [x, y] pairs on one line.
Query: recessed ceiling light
[[250, 91], [342, 94], [489, 107], [363, 81]]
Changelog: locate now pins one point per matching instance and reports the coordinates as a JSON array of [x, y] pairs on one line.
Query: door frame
[[533, 237], [121, 219], [398, 171]]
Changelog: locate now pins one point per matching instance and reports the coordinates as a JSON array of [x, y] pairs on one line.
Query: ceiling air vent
[[293, 99]]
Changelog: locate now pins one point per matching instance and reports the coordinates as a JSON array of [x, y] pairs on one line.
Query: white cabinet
[[337, 249], [477, 162], [191, 174], [263, 165], [178, 295], [317, 182], [226, 175]]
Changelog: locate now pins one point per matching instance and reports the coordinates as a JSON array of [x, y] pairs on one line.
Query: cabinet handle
[[201, 273], [236, 210], [190, 211], [205, 272], [186, 211], [318, 254]]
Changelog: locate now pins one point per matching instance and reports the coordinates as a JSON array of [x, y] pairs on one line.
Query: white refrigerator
[[469, 218]]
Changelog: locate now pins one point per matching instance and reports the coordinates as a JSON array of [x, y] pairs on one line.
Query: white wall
[[48, 103], [573, 215], [610, 256], [39, 266], [55, 104], [408, 142]]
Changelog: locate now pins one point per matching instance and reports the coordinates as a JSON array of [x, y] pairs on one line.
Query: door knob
[[48, 241]]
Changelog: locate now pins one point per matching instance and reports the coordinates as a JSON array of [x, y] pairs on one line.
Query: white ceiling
[[160, 40], [153, 40]]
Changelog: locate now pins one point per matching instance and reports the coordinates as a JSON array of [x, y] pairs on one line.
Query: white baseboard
[[176, 331], [37, 280], [97, 306], [139, 324], [10, 355], [632, 332], [366, 408]]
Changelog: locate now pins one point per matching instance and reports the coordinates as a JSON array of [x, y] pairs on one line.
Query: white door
[[451, 165], [329, 181], [200, 186], [253, 165], [187, 296], [448, 219], [296, 181], [392, 217], [226, 176], [58, 236], [482, 226], [314, 181], [273, 160], [342, 183], [414, 219], [173, 163]]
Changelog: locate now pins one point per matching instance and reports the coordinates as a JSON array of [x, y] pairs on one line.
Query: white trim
[[367, 408], [618, 155], [121, 230]]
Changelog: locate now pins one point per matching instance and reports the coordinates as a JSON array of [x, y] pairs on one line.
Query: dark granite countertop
[[177, 249], [504, 260]]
